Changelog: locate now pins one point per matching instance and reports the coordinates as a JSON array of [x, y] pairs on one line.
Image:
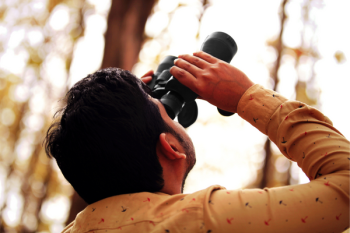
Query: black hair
[[104, 139]]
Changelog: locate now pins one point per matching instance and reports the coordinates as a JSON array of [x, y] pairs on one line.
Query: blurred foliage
[[33, 36], [340, 57], [306, 92]]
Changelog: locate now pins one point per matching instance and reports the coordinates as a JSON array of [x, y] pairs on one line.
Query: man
[[125, 157]]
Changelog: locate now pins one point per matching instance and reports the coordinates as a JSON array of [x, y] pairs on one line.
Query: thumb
[[149, 73], [147, 79]]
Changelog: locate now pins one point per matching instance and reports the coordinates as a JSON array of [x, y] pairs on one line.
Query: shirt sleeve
[[303, 135]]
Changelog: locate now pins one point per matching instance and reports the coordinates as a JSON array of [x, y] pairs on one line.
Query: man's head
[[108, 138]]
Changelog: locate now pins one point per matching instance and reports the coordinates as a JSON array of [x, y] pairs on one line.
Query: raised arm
[[302, 133]]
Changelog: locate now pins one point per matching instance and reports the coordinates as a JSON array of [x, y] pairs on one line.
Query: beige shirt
[[302, 133]]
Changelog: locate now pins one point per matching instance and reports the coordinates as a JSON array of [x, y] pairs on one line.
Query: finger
[[146, 79], [194, 70], [149, 73], [205, 56], [184, 77], [200, 63]]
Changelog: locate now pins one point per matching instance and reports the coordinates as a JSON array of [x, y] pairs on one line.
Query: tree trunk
[[123, 41], [267, 170], [125, 33]]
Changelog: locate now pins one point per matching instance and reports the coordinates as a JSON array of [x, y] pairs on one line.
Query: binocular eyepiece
[[179, 100]]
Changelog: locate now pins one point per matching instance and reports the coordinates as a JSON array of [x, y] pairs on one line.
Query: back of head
[[104, 139]]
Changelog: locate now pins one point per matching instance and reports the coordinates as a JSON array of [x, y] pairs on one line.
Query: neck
[[173, 177]]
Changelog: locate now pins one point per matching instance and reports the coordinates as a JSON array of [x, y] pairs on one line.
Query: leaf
[[340, 57]]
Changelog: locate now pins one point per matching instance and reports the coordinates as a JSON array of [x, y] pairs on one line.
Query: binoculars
[[179, 100]]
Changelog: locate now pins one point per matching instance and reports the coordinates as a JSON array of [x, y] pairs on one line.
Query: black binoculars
[[179, 100]]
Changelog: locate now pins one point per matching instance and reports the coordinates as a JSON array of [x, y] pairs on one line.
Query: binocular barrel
[[223, 47], [178, 99], [220, 45]]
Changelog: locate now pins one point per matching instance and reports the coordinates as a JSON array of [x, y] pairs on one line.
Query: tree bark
[[125, 33], [123, 41], [267, 170]]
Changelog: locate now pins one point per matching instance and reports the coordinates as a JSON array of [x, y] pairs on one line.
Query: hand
[[213, 80], [146, 78]]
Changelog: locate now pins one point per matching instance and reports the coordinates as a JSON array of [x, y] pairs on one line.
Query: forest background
[[299, 48]]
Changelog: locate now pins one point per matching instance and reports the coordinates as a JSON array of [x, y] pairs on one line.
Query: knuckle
[[205, 76], [195, 60], [181, 73], [212, 68], [176, 71], [210, 58], [221, 64], [187, 66], [176, 62]]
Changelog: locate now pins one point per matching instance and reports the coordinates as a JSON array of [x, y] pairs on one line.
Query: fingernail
[[175, 60]]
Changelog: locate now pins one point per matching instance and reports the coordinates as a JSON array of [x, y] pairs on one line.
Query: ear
[[168, 147]]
